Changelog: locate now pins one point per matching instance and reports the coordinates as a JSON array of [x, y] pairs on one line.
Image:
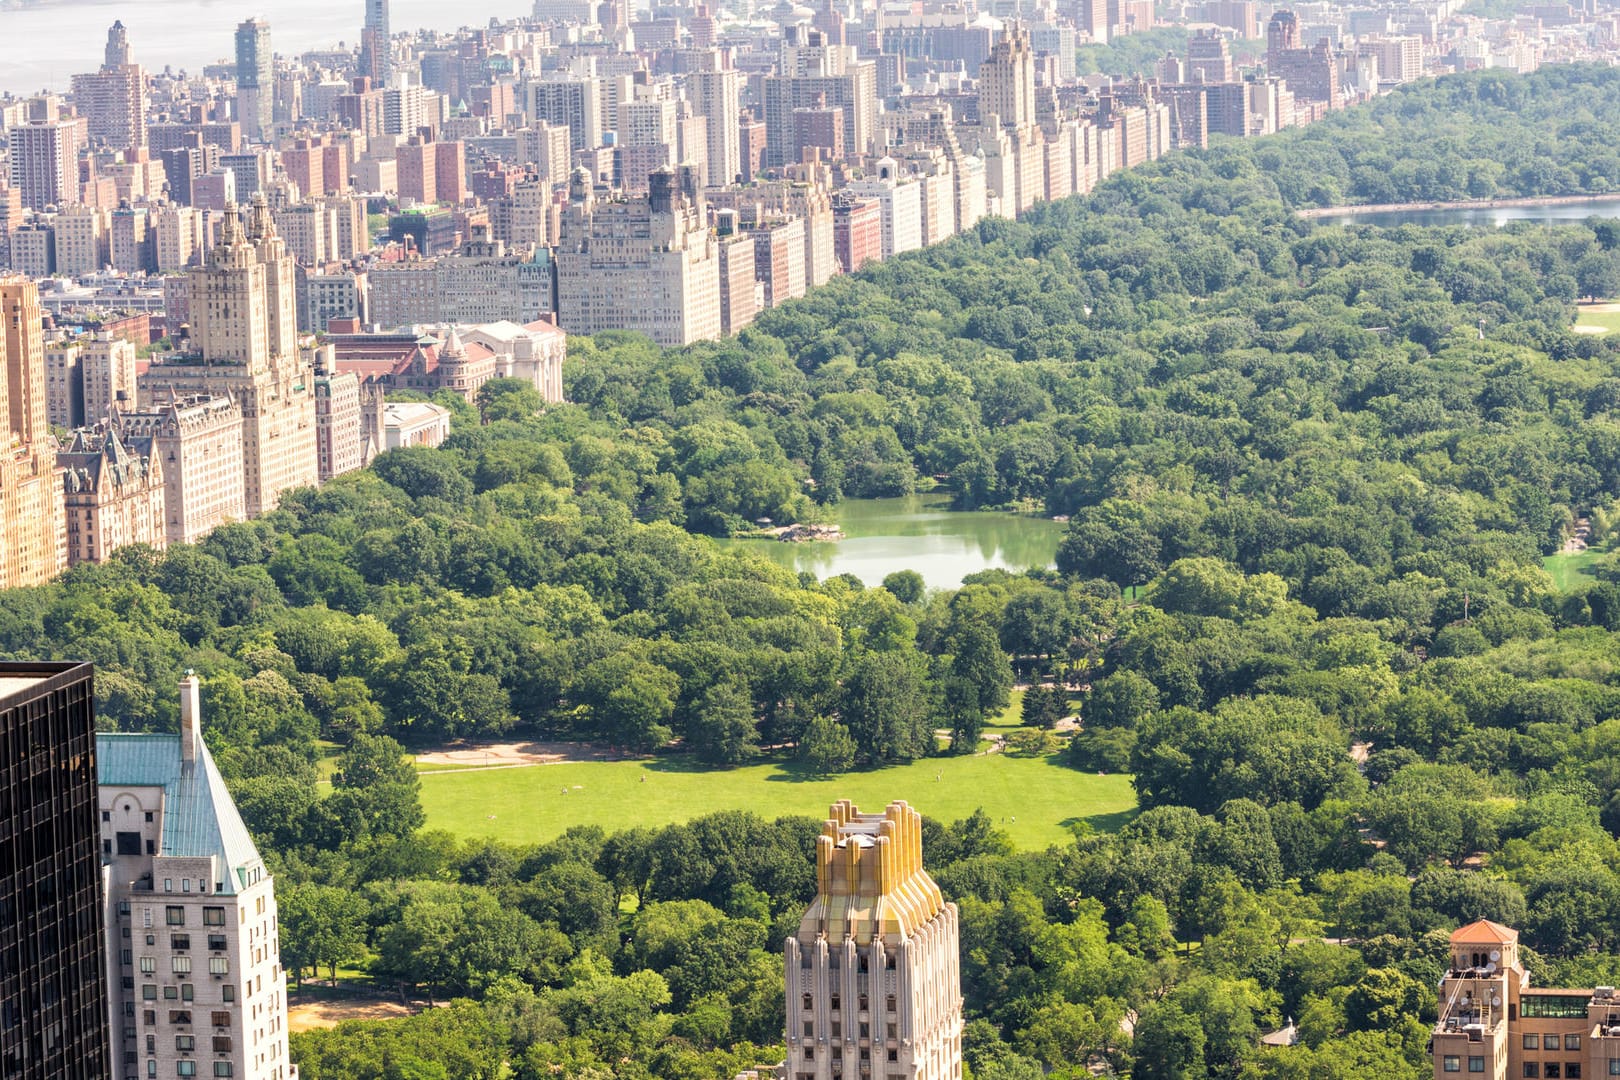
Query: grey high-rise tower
[[375, 59], [255, 80]]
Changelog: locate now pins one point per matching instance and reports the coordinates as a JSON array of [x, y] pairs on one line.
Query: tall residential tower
[[255, 81], [874, 973], [195, 941]]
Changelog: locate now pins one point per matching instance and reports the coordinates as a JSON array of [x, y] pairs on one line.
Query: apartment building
[[112, 494], [191, 916]]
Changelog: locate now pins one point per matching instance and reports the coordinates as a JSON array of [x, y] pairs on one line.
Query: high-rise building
[[200, 966], [1209, 60], [644, 263], [873, 975], [811, 73], [33, 535], [376, 59], [255, 81], [1493, 1024], [1007, 81], [53, 989], [715, 94], [113, 100], [45, 162], [244, 346]]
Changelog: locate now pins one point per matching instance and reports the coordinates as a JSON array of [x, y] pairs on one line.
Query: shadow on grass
[[1103, 823]]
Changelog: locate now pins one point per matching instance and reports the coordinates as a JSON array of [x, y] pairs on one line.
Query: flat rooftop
[[18, 679]]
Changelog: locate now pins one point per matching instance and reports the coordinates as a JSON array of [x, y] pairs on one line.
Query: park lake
[[921, 533]]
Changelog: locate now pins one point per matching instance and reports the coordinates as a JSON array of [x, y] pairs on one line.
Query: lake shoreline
[[1316, 212]]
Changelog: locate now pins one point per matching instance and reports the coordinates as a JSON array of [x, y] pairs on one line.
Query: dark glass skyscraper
[[53, 992], [375, 56], [255, 80]]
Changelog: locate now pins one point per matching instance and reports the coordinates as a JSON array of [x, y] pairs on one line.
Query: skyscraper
[[873, 975], [244, 346], [45, 162], [375, 58], [113, 100], [53, 990], [33, 533], [715, 95], [1007, 81], [255, 81], [197, 943]]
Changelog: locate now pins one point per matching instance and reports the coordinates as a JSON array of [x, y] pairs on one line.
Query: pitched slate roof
[[199, 817]]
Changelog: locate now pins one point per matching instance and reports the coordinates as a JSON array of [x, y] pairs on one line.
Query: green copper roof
[[199, 817]]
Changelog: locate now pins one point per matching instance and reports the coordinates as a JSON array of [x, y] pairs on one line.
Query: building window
[[180, 942], [229, 993], [185, 1068], [1614, 1066], [222, 1044], [1572, 1070], [221, 1019], [148, 965], [1476, 1064], [185, 1042], [222, 1068], [1532, 1070], [1572, 1041], [187, 992], [1551, 1072], [216, 942], [1532, 1042], [181, 964], [174, 916], [219, 965], [1451, 1063], [213, 916], [129, 843], [148, 992]]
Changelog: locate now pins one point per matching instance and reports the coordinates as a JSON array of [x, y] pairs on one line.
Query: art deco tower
[[873, 975], [245, 347]]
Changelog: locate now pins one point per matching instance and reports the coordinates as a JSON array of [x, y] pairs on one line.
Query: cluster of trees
[[1310, 470], [1478, 136]]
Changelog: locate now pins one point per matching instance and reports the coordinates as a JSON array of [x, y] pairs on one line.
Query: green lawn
[[1574, 571], [1031, 799], [1606, 320]]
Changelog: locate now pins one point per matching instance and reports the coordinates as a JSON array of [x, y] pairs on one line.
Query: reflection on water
[[921, 533], [1604, 206]]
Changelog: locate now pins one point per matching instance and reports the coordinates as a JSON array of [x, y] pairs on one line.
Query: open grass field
[[1597, 318], [1031, 798], [1574, 571]]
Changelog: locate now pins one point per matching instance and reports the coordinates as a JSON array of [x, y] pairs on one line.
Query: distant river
[[1605, 206], [43, 43], [921, 533]]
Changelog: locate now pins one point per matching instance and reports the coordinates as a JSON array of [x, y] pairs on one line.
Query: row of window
[[174, 915], [181, 965], [219, 1018], [1554, 1070], [183, 1043], [149, 992], [835, 1002], [179, 943], [189, 1068], [1571, 1041]]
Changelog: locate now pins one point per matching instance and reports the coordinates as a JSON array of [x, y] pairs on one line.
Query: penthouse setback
[[1492, 1023]]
